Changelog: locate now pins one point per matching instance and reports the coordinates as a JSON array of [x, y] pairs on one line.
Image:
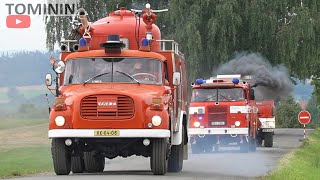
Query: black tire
[[77, 164], [159, 156], [61, 157], [268, 139], [259, 141], [92, 163], [175, 161]]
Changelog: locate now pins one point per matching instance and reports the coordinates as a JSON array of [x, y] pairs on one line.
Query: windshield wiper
[[225, 98], [129, 76], [95, 77], [207, 99]]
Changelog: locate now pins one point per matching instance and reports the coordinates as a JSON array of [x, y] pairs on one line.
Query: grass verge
[[25, 160], [302, 163]]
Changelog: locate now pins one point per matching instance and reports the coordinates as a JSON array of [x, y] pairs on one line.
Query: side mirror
[[251, 94], [48, 80], [176, 79], [59, 67]]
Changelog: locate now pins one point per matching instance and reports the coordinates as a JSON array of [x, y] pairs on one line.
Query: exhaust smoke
[[271, 82]]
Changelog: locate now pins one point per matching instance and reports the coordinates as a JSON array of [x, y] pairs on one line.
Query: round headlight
[[237, 123], [156, 120], [196, 124], [59, 120]]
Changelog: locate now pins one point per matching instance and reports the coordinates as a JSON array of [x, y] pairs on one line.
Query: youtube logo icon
[[18, 21]]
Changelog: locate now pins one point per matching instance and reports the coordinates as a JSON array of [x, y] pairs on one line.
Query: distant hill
[[24, 68]]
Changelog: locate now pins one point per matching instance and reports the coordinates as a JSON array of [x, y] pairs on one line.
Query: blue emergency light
[[235, 81], [82, 42], [200, 81], [145, 42]]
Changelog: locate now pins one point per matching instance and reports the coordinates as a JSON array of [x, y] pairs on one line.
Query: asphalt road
[[228, 164]]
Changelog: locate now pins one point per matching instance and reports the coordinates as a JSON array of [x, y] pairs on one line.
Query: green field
[[14, 123], [302, 163], [33, 93], [3, 96], [26, 160], [28, 94]]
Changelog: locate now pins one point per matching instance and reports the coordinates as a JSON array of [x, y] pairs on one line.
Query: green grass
[[23, 161], [302, 163], [14, 123]]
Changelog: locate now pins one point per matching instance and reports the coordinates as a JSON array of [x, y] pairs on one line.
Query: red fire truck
[[120, 91], [266, 123], [222, 112]]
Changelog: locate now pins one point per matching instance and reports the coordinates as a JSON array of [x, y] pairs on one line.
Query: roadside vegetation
[[25, 160], [287, 113], [302, 163]]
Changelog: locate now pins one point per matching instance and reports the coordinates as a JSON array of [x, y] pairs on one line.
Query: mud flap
[[185, 152], [177, 136]]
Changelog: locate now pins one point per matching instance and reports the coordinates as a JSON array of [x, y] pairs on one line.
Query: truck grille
[[107, 107], [217, 116]]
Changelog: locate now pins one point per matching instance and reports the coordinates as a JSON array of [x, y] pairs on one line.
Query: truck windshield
[[231, 94], [106, 70]]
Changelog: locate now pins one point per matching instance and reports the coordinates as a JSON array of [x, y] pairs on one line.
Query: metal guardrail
[[174, 46]]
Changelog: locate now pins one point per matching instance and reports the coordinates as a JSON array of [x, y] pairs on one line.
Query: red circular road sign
[[304, 117]]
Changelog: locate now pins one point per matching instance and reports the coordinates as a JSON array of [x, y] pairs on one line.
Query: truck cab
[[222, 112], [118, 93]]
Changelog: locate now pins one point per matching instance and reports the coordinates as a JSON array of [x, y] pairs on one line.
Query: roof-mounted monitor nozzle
[[113, 44]]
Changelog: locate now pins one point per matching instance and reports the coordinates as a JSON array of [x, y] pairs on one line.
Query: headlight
[[237, 123], [156, 120], [59, 120], [196, 124]]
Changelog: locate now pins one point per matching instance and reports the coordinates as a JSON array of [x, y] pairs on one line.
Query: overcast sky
[[30, 39]]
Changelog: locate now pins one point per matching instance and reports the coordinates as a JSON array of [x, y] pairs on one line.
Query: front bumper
[[123, 133], [231, 131]]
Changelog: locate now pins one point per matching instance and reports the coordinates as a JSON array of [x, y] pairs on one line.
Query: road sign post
[[304, 118]]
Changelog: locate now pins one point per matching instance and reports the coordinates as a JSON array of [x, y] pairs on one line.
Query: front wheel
[[92, 163], [77, 164], [268, 139], [158, 160], [175, 161], [61, 157]]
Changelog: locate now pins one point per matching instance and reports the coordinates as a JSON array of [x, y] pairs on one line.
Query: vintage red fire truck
[[222, 113], [266, 123], [120, 91]]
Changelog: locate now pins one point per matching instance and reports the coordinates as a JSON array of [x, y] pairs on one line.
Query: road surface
[[228, 164]]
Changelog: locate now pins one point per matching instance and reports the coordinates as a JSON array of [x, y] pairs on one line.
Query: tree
[[313, 108], [287, 114]]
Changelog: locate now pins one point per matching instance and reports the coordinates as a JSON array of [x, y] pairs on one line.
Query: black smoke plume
[[272, 82]]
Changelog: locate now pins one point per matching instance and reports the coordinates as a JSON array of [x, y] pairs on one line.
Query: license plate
[[217, 123], [267, 130], [106, 133]]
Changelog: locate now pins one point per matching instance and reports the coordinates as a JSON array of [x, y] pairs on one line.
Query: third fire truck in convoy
[[222, 112], [266, 123], [120, 91]]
